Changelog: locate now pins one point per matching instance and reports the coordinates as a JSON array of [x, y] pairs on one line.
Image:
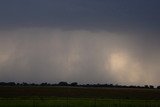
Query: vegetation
[[74, 102], [79, 92], [74, 95], [75, 84]]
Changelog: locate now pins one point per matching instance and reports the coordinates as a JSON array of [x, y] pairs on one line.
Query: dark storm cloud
[[88, 41], [113, 15]]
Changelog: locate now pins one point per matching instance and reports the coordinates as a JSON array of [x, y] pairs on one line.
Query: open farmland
[[80, 92], [78, 97], [74, 102]]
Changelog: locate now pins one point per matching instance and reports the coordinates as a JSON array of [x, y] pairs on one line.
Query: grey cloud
[[111, 15], [52, 55]]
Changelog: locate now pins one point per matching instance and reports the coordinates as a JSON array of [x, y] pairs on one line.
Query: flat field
[[78, 97]]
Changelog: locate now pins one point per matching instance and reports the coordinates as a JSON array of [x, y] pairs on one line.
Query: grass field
[[75, 102], [78, 97]]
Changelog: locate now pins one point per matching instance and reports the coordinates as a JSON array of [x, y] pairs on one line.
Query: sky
[[84, 41]]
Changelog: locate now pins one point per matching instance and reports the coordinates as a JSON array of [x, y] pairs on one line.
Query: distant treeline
[[75, 84]]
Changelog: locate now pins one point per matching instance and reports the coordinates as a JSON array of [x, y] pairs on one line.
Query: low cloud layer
[[110, 15], [85, 56]]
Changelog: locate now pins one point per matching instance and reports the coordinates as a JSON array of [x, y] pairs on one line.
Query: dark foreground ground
[[80, 92], [78, 97]]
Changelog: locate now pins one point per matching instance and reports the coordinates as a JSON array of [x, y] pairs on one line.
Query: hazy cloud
[[42, 54]]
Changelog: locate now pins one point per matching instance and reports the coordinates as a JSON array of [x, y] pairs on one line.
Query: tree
[[24, 84], [146, 86], [74, 84], [151, 86], [158, 87], [63, 84], [44, 84], [11, 83]]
